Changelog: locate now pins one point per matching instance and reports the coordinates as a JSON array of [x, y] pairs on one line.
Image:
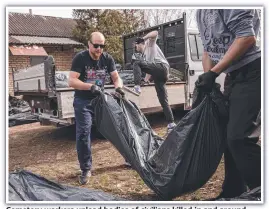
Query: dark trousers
[[159, 73], [83, 117], [243, 155]]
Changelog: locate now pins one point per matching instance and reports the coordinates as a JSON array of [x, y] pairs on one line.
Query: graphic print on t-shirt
[[96, 75], [215, 43]]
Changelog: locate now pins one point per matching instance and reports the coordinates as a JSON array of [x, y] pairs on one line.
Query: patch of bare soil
[[51, 153]]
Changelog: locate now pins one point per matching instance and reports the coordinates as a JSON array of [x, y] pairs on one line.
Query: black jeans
[[243, 155], [159, 73]]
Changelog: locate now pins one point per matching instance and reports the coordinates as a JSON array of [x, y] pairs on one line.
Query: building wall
[[63, 59], [16, 62], [63, 56]]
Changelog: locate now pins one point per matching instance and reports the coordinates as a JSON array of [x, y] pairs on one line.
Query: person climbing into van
[[156, 67]]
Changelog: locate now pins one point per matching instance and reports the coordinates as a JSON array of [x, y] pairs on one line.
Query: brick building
[[33, 37]]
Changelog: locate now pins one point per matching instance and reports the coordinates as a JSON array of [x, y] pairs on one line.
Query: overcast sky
[[52, 11]]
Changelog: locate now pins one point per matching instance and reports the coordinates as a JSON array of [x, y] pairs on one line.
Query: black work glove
[[206, 81], [95, 90], [120, 91]]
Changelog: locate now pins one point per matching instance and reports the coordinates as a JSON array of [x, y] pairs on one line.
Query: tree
[[113, 23], [158, 16], [154, 17]]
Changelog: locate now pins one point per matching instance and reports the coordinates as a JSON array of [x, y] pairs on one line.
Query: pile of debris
[[127, 76], [61, 79], [175, 75], [19, 112]]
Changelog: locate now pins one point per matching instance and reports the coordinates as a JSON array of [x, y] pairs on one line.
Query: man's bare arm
[[116, 79], [207, 62], [76, 83], [152, 34], [236, 50]]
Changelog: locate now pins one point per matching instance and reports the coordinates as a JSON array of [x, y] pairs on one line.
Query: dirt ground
[[51, 153]]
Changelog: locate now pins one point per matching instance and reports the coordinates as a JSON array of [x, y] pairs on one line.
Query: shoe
[[170, 127], [136, 90], [84, 177]]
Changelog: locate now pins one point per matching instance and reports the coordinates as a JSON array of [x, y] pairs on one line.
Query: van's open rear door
[[194, 59]]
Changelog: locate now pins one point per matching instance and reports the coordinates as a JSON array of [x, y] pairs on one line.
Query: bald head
[[97, 35], [96, 45]]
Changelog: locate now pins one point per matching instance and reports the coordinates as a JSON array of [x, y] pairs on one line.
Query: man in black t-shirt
[[87, 77]]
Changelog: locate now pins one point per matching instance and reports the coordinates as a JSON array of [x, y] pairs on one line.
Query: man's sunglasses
[[96, 46]]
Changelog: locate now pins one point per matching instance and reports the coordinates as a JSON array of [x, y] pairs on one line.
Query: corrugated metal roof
[[12, 40], [42, 40], [38, 25]]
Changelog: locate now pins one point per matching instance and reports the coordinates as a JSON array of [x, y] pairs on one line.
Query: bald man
[[87, 77]]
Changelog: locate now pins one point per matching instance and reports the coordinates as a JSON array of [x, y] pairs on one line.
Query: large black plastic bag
[[181, 163], [26, 186]]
